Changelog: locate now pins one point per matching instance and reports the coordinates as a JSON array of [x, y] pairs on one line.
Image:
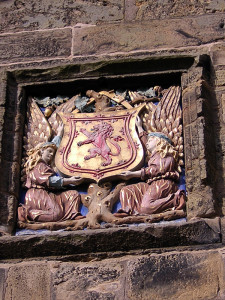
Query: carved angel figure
[[44, 202], [46, 199], [159, 191]]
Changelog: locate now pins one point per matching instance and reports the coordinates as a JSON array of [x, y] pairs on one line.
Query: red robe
[[43, 204], [158, 194]]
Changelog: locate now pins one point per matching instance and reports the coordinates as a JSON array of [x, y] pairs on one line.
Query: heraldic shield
[[98, 146]]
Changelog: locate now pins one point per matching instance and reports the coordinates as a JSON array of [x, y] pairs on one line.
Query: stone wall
[[47, 45], [188, 275]]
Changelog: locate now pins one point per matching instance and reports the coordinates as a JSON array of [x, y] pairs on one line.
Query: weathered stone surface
[[200, 196], [114, 239], [131, 10], [28, 46], [218, 54], [174, 276], [11, 183], [184, 274], [144, 277], [2, 282], [12, 146], [221, 293], [150, 9], [4, 208], [92, 280], [28, 281], [201, 201], [97, 67], [8, 205], [223, 107], [199, 140], [33, 15], [193, 77], [140, 36], [2, 108], [220, 148], [220, 77], [21, 15], [223, 229], [3, 84], [2, 114], [27, 67]]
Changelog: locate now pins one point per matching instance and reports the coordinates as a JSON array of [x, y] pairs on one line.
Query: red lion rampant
[[100, 133]]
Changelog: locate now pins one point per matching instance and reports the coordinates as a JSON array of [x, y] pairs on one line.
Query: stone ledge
[[169, 234], [91, 70], [192, 51]]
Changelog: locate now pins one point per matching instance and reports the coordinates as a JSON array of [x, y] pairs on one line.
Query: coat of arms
[[98, 146], [102, 137]]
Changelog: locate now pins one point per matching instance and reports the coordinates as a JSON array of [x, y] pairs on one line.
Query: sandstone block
[[2, 114], [2, 282], [201, 202], [33, 15], [189, 276], [4, 208], [93, 280], [28, 281], [220, 77], [184, 274], [191, 78], [149, 9], [223, 230], [2, 87], [27, 46], [12, 146], [141, 36], [223, 107], [11, 183], [218, 54], [8, 211]]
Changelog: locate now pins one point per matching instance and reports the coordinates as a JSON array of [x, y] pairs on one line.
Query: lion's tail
[[117, 146]]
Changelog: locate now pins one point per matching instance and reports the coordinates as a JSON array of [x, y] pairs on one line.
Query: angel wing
[[166, 118], [37, 130], [68, 107]]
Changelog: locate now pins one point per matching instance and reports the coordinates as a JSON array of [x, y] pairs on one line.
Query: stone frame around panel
[[197, 98]]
